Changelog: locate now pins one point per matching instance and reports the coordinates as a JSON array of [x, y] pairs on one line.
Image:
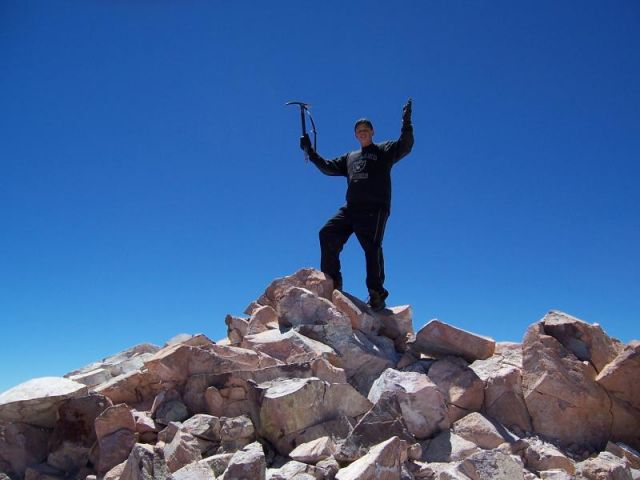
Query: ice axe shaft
[[304, 108]]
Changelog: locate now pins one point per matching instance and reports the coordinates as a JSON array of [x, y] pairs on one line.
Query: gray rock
[[247, 463]]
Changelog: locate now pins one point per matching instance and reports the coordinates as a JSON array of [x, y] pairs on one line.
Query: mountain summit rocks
[[311, 384]]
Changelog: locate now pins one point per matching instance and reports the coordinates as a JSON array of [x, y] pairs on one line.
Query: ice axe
[[304, 108]]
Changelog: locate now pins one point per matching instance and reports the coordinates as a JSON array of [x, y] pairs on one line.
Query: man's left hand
[[406, 112]]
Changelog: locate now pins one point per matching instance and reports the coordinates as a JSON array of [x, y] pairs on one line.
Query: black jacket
[[368, 170]]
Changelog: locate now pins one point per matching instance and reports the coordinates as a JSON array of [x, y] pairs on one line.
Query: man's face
[[364, 134]]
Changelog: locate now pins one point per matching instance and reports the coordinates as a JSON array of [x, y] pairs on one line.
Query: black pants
[[368, 224]]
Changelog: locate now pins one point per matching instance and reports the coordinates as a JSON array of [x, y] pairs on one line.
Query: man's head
[[364, 132]]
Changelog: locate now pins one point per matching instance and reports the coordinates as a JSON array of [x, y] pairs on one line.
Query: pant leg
[[333, 235], [369, 227]]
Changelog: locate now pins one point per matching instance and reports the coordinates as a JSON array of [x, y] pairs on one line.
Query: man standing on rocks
[[368, 173]]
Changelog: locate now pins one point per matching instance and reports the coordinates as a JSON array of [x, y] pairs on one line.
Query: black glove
[[406, 113], [305, 143]]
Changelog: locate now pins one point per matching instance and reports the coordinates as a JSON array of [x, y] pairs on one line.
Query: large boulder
[[36, 401], [604, 466], [438, 339], [614, 377], [423, 406], [463, 389], [308, 278], [381, 463], [564, 400], [288, 406], [116, 434], [134, 388], [503, 397], [479, 430], [289, 347], [249, 463], [587, 342], [492, 465], [22, 445]]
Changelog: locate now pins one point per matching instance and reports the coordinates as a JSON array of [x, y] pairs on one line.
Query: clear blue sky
[[151, 180]]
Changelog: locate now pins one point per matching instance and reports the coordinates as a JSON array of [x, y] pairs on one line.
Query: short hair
[[363, 121]]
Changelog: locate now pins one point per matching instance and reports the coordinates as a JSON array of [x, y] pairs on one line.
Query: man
[[368, 173]]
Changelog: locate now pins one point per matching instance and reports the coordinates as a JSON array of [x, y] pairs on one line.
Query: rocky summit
[[312, 384]]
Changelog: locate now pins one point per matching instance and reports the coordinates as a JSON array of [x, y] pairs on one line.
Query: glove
[[406, 113], [305, 143]]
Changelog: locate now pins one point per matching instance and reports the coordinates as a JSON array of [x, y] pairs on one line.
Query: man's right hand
[[305, 143]]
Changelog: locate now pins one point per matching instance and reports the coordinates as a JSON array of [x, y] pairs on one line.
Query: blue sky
[[151, 180]]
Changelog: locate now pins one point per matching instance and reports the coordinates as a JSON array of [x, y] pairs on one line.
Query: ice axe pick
[[304, 108]]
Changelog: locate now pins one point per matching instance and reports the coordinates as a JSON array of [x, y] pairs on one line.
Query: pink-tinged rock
[[114, 418], [43, 472], [587, 342], [381, 463], [437, 339], [626, 423], [605, 466], [133, 388], [262, 319], [296, 470], [144, 423], [248, 463], [193, 471], [503, 396], [615, 376], [308, 278], [314, 451], [289, 347], [492, 465], [624, 452], [397, 322], [555, 474], [69, 457], [22, 445], [439, 471], [288, 406], [540, 455], [36, 401], [115, 473], [564, 400], [423, 406], [218, 463], [181, 451], [478, 429], [236, 432], [236, 329], [360, 319], [176, 363], [463, 389], [114, 449], [145, 462], [447, 447], [203, 426]]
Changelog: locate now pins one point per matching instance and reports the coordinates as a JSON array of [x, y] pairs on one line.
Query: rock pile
[[311, 384]]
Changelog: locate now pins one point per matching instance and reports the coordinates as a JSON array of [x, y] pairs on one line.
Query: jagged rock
[[438, 339], [127, 361], [203, 426], [492, 465], [295, 470], [247, 463], [236, 432], [587, 342], [36, 401], [133, 388], [540, 455], [423, 406], [381, 422], [314, 451], [193, 471], [555, 475], [43, 472], [22, 445], [289, 347], [288, 406], [503, 397], [604, 466], [447, 447], [262, 319], [439, 471], [182, 450], [360, 319], [218, 463], [146, 428], [144, 463], [168, 407], [174, 364], [625, 452], [338, 429], [479, 430], [236, 328], [114, 418], [397, 324], [381, 463], [114, 448], [463, 389], [114, 474], [626, 422], [308, 278], [562, 397], [328, 468]]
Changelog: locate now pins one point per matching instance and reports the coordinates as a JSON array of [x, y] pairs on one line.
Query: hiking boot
[[377, 300]]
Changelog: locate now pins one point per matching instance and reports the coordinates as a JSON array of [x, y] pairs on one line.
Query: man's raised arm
[[334, 167], [404, 144]]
